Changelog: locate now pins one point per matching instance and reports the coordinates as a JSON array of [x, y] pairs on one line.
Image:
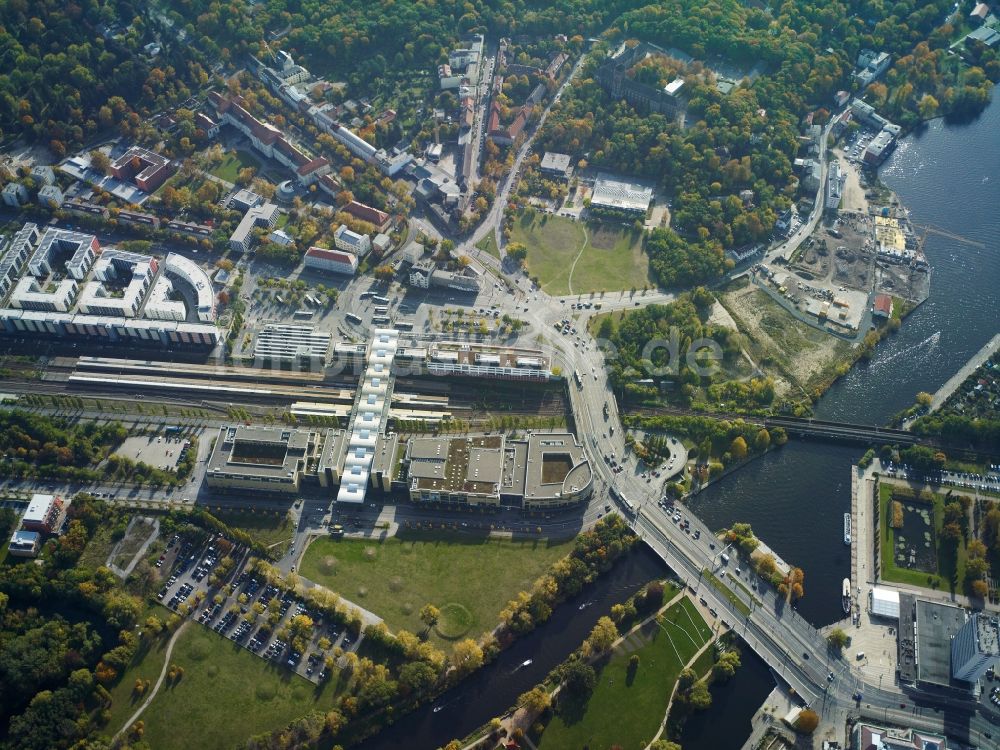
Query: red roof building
[[882, 306], [335, 261], [366, 213]]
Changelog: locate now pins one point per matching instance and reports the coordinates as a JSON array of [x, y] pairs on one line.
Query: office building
[[42, 513], [145, 169], [543, 471], [269, 460], [975, 647], [264, 216], [935, 624], [24, 544], [555, 164]]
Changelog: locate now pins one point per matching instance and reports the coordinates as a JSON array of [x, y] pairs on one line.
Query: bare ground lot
[[797, 355]]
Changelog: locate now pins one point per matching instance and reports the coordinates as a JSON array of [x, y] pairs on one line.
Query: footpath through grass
[[612, 257], [225, 696], [627, 708], [396, 577]]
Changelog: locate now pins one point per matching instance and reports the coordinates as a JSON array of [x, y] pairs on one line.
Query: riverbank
[[951, 385]]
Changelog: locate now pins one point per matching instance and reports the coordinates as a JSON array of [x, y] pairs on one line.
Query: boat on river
[[847, 529], [845, 597]]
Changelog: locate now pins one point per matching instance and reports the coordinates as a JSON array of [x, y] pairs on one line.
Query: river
[[493, 689], [948, 176]]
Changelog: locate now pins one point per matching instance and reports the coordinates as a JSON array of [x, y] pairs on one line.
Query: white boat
[[845, 598], [847, 529]]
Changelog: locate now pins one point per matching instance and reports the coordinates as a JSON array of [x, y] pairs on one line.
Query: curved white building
[[197, 278]]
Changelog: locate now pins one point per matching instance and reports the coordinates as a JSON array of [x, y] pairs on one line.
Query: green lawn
[[225, 696], [569, 257], [624, 712], [950, 574], [232, 162], [727, 592], [396, 577], [488, 244]]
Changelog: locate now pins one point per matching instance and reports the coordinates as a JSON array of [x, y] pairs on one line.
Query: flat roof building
[[269, 460], [146, 169], [292, 343], [42, 513], [24, 544], [619, 196], [871, 737], [884, 602], [264, 215], [198, 279], [935, 625], [555, 163], [545, 470], [464, 471], [975, 648], [556, 471]]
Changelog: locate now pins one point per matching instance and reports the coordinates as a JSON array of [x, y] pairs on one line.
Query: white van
[[725, 558]]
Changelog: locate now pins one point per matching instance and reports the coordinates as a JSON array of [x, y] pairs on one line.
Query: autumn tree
[[429, 615], [838, 639], [467, 656]]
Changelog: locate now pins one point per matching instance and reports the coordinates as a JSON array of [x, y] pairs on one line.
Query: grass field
[[951, 567], [569, 257], [626, 710], [265, 528], [225, 695], [488, 245], [727, 592], [232, 162], [398, 576], [95, 554]]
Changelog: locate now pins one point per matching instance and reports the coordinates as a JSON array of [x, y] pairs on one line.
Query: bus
[[404, 325], [381, 320], [624, 501], [380, 300], [579, 380], [302, 314], [381, 310], [352, 318]]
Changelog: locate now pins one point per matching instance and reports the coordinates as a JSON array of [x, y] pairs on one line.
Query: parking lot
[[254, 613], [155, 450]]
